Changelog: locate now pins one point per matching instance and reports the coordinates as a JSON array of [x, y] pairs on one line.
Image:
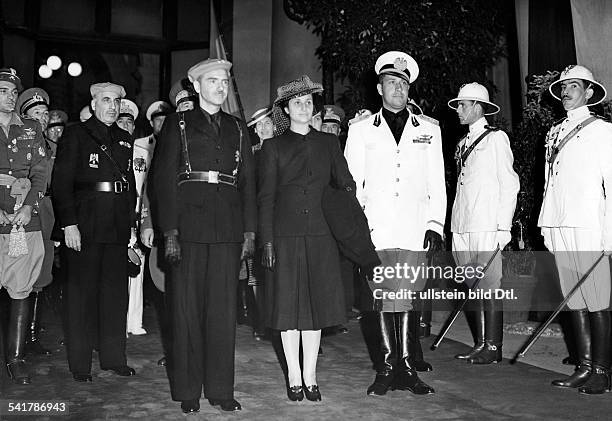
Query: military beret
[[208, 65], [10, 75], [98, 88], [259, 115], [57, 118], [158, 108], [182, 91], [332, 114], [128, 109], [31, 98], [398, 64]]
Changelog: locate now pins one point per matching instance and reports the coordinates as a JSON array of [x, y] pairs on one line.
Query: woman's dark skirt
[[305, 290]]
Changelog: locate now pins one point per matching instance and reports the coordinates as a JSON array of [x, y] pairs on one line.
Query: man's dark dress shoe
[[123, 370], [226, 404], [191, 405], [312, 393], [79, 377]]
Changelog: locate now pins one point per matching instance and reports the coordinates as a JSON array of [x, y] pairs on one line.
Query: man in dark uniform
[[94, 197], [211, 211]]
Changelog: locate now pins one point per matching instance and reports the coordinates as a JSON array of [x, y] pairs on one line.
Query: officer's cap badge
[[400, 64]]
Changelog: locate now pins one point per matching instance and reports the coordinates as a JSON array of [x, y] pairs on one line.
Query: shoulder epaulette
[[428, 119], [376, 120], [492, 128]]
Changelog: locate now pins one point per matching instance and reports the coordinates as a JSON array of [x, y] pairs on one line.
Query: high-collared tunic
[[485, 200], [576, 213]]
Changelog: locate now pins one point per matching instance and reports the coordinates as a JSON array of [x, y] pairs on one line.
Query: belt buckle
[[118, 185], [213, 177]]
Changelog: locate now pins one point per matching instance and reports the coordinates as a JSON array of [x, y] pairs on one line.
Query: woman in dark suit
[[305, 287]]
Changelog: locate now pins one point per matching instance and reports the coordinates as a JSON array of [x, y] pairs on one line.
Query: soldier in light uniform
[[23, 170], [128, 113], [484, 204], [396, 160], [34, 103], [332, 117], [576, 221]]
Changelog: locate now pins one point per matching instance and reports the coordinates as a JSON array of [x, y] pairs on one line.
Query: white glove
[[502, 238]]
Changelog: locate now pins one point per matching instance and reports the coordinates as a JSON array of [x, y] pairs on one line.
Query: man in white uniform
[[576, 221], [396, 160], [128, 112], [482, 213], [143, 154]]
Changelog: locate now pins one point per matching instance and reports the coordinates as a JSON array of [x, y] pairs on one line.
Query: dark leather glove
[[172, 249], [432, 242], [268, 258]]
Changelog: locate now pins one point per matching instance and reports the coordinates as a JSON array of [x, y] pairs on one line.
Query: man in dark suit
[[208, 220], [95, 198]]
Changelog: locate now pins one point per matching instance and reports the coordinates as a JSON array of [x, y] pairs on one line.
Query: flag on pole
[[217, 50]]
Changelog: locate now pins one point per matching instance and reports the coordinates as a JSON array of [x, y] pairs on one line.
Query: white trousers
[[476, 248], [575, 250], [135, 303]]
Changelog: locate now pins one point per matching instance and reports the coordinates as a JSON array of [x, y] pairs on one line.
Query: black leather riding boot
[[388, 345], [599, 380], [476, 321], [415, 351], [581, 326], [33, 345], [494, 334], [17, 332], [406, 377]]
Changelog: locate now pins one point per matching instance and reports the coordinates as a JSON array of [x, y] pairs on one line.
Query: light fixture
[[74, 69], [54, 62], [45, 71]]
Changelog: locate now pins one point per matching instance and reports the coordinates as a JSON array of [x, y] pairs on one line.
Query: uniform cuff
[[170, 233], [249, 235]]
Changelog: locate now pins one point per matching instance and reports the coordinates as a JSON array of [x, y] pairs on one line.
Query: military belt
[[212, 177], [105, 186]]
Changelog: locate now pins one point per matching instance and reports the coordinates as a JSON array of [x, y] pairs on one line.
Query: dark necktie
[[215, 122]]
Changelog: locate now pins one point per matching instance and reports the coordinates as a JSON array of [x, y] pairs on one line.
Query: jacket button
[[217, 161], [305, 211], [305, 191], [396, 194], [397, 151], [218, 147], [461, 183], [397, 180], [398, 165]]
